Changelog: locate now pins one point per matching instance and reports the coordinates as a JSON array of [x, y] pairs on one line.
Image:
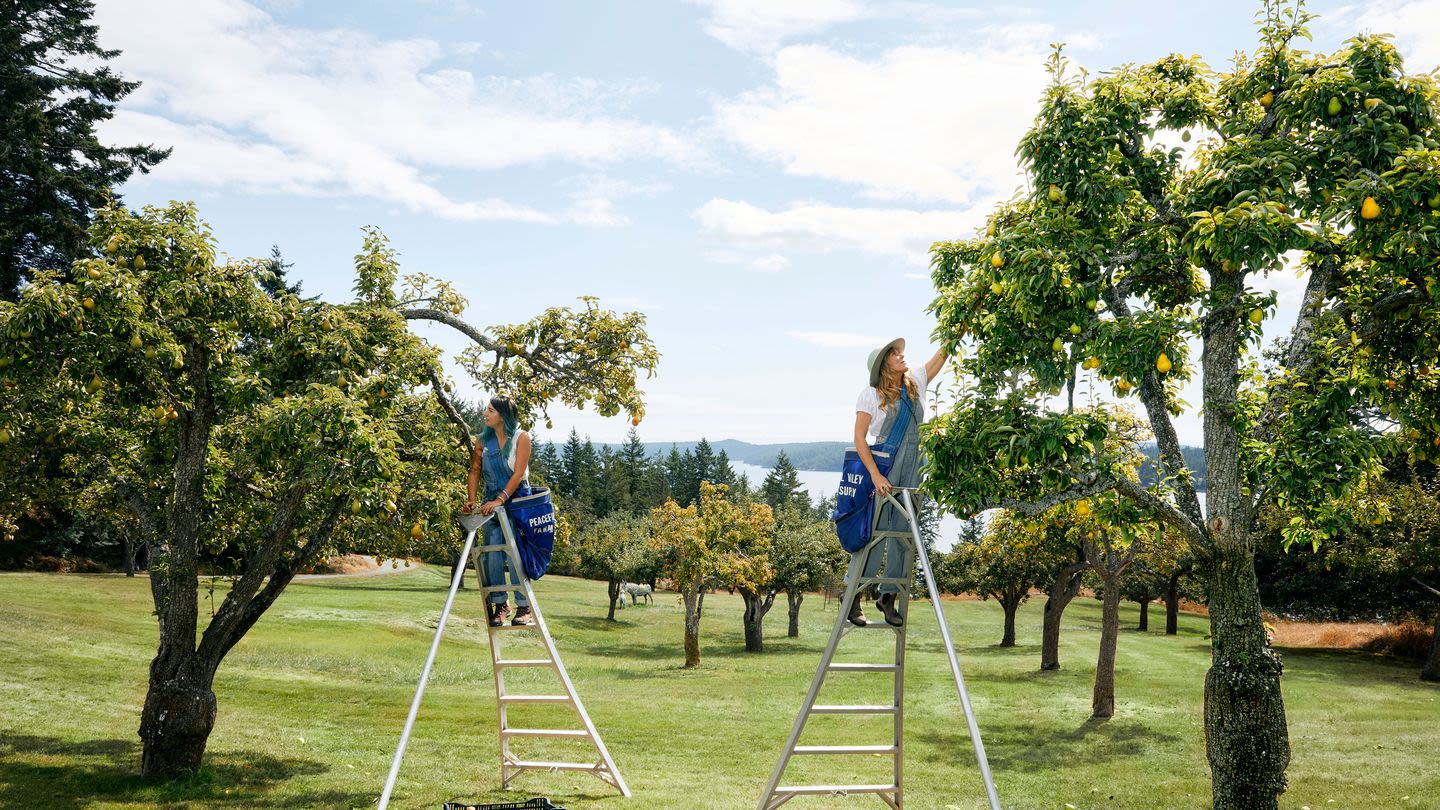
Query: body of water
[[822, 483]]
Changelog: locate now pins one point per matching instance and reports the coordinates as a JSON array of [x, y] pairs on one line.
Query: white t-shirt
[[511, 459], [869, 402]]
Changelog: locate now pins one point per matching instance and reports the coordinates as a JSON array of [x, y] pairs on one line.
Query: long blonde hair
[[889, 387]]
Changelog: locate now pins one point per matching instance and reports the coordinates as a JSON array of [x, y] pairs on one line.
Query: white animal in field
[[638, 592]]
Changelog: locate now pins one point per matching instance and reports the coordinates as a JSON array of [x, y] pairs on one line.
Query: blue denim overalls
[[904, 472], [497, 475]]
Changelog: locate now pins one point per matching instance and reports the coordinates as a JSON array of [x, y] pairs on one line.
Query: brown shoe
[[886, 603], [499, 612], [857, 616], [522, 616]]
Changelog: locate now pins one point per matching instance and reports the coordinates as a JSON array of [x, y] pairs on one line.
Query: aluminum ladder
[[512, 765], [893, 793]]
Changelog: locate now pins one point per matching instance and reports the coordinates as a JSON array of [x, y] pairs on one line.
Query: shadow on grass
[[1027, 748], [1357, 667], [48, 772]]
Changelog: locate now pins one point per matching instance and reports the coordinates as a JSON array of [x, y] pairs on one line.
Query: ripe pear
[[94, 385], [136, 342], [417, 532], [5, 362], [390, 507], [1257, 316], [1162, 364], [1334, 107], [1123, 385], [1369, 209], [635, 421], [1434, 201], [94, 273], [139, 262], [1076, 329], [1058, 345], [1371, 102], [997, 287], [1267, 99], [997, 261], [1185, 136], [149, 352], [178, 362], [1092, 362], [89, 304], [355, 506], [1092, 305], [1054, 193], [1082, 508], [112, 244], [549, 425], [161, 412], [990, 230]]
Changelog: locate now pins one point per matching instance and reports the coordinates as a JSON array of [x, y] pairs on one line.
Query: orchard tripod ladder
[[512, 765], [893, 793]]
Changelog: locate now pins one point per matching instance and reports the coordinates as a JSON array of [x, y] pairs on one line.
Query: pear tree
[[189, 401], [1124, 252]]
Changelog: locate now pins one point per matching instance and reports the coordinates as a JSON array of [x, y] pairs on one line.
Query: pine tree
[[722, 472], [55, 87], [567, 479], [275, 284], [782, 486]]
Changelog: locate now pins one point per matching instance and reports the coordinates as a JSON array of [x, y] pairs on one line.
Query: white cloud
[[924, 123], [1415, 24], [760, 25], [356, 114], [838, 340], [768, 263], [822, 227]]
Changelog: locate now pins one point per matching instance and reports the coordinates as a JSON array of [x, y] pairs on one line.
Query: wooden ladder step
[[525, 662], [508, 626], [842, 709], [579, 734], [535, 699], [847, 749]]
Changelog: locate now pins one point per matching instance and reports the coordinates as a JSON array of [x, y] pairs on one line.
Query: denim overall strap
[[890, 442]]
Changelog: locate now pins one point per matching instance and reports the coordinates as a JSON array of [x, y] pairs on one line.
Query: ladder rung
[[545, 732], [842, 709], [525, 662], [831, 790], [535, 699], [556, 766], [862, 667], [884, 580], [847, 749], [879, 624], [508, 626], [491, 550], [499, 588]]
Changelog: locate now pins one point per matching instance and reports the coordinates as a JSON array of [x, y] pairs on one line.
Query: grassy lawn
[[313, 700]]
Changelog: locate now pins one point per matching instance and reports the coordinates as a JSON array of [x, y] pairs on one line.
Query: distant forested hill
[[1194, 459]]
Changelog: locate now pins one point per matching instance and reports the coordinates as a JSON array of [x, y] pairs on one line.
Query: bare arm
[[934, 364], [862, 448], [474, 479]]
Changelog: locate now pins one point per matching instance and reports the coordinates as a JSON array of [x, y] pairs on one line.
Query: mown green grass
[[312, 702]]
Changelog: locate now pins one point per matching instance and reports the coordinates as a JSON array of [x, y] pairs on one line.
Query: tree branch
[[1300, 356], [451, 411], [1426, 587]]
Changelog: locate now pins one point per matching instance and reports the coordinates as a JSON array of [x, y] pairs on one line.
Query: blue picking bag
[[854, 501], [533, 517], [854, 514]]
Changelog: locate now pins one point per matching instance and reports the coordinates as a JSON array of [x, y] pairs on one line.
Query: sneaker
[[886, 603], [522, 616], [499, 612], [856, 617]]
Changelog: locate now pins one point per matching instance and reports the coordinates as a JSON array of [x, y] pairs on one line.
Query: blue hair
[[506, 409]]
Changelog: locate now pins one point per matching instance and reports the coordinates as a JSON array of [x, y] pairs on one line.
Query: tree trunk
[[755, 609], [613, 590], [1431, 670], [175, 724], [1009, 605], [1172, 604], [1102, 702], [692, 597], [1246, 739], [1062, 590], [794, 598], [1144, 616], [127, 550]]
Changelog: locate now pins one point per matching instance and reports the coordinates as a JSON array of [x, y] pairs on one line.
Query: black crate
[[541, 803]]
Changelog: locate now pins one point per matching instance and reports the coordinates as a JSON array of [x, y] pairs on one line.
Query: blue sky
[[761, 178]]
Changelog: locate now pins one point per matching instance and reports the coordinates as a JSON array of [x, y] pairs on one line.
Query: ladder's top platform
[[473, 521]]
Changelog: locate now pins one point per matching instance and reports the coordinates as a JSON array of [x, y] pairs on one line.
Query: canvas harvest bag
[[533, 516], [854, 501]]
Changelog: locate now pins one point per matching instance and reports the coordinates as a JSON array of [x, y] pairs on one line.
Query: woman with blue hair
[[504, 454]]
